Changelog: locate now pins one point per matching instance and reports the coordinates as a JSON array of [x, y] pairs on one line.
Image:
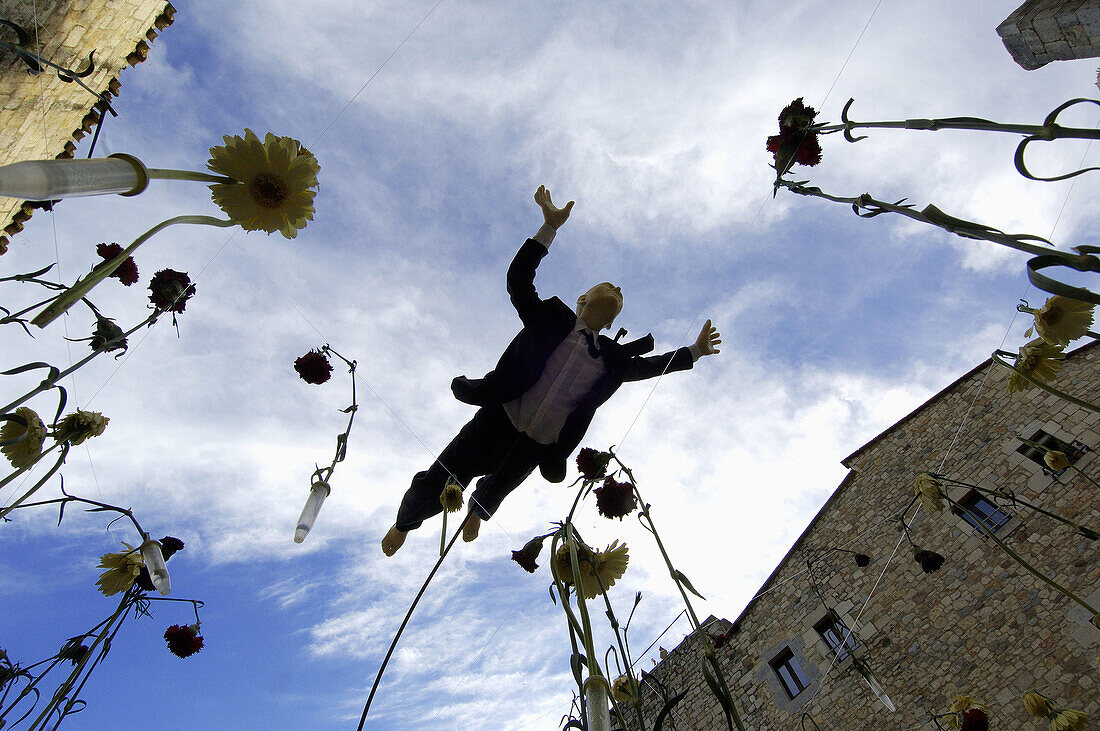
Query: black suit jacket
[[546, 323]]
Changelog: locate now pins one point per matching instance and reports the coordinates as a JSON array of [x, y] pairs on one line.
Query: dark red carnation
[[527, 556], [975, 720], [591, 463], [794, 144], [313, 367], [183, 641], [720, 640], [929, 561], [127, 272], [862, 559], [169, 546], [615, 499], [170, 290]]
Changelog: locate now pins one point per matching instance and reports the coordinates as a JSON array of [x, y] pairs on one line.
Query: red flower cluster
[[313, 367], [128, 272], [615, 499], [794, 144], [592, 464], [170, 290], [183, 641], [975, 720]]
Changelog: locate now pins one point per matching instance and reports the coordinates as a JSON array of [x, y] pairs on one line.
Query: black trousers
[[488, 445]]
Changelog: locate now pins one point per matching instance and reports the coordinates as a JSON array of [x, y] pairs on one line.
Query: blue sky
[[653, 118]]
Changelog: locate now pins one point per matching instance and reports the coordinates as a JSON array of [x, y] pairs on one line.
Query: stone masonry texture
[[980, 626], [41, 116], [1041, 31]]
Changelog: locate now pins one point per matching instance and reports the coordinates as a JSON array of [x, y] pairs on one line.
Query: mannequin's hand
[[708, 338], [554, 216]]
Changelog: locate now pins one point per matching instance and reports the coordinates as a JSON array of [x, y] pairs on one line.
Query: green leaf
[[576, 662], [716, 689], [665, 711], [679, 576]]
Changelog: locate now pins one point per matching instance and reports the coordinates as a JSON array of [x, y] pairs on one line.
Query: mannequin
[[538, 401]]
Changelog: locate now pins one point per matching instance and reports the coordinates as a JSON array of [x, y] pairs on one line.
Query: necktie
[[591, 344]]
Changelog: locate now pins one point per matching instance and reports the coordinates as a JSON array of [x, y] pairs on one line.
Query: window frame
[[971, 500], [846, 640]]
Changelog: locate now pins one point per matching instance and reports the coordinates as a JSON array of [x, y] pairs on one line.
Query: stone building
[[981, 625], [43, 116], [1041, 31]]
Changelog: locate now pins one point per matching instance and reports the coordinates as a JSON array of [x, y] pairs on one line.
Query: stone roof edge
[[981, 366], [91, 119], [847, 478]]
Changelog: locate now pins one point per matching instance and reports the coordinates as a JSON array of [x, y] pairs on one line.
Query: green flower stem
[[40, 483], [162, 174], [102, 506], [49, 383], [574, 623], [693, 618], [586, 622], [1045, 448], [102, 642], [1036, 382], [625, 652], [1005, 496], [82, 286], [1022, 561]]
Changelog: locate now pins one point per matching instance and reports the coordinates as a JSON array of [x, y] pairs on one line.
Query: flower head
[[1067, 720], [969, 715], [73, 651], [451, 497], [1056, 460], [80, 426], [1037, 704], [591, 463], [930, 561], [25, 451], [620, 690], [597, 567], [183, 641], [1062, 320], [795, 143], [1038, 359], [170, 290], [930, 493], [122, 569], [127, 272], [528, 555], [862, 559], [276, 180], [107, 336], [720, 640], [313, 367], [615, 499]]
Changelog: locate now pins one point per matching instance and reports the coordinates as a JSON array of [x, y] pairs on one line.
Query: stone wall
[[981, 625], [42, 116], [1041, 31]]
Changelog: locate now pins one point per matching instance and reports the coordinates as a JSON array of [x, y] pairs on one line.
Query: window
[[985, 510], [790, 672], [1073, 451], [840, 640]]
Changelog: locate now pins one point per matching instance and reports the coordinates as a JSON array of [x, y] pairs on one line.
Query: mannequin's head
[[599, 306]]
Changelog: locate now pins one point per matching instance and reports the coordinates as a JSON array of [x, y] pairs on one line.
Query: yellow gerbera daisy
[[1037, 704], [620, 690], [451, 497], [25, 451], [276, 182], [1056, 460], [1062, 320], [1038, 359], [1067, 720], [597, 567], [931, 496], [122, 570]]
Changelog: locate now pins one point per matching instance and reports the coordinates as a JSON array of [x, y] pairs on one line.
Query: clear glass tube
[[599, 716], [317, 494], [154, 564], [45, 180]]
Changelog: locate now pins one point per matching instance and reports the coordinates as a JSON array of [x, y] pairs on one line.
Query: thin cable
[[484, 647], [376, 72]]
